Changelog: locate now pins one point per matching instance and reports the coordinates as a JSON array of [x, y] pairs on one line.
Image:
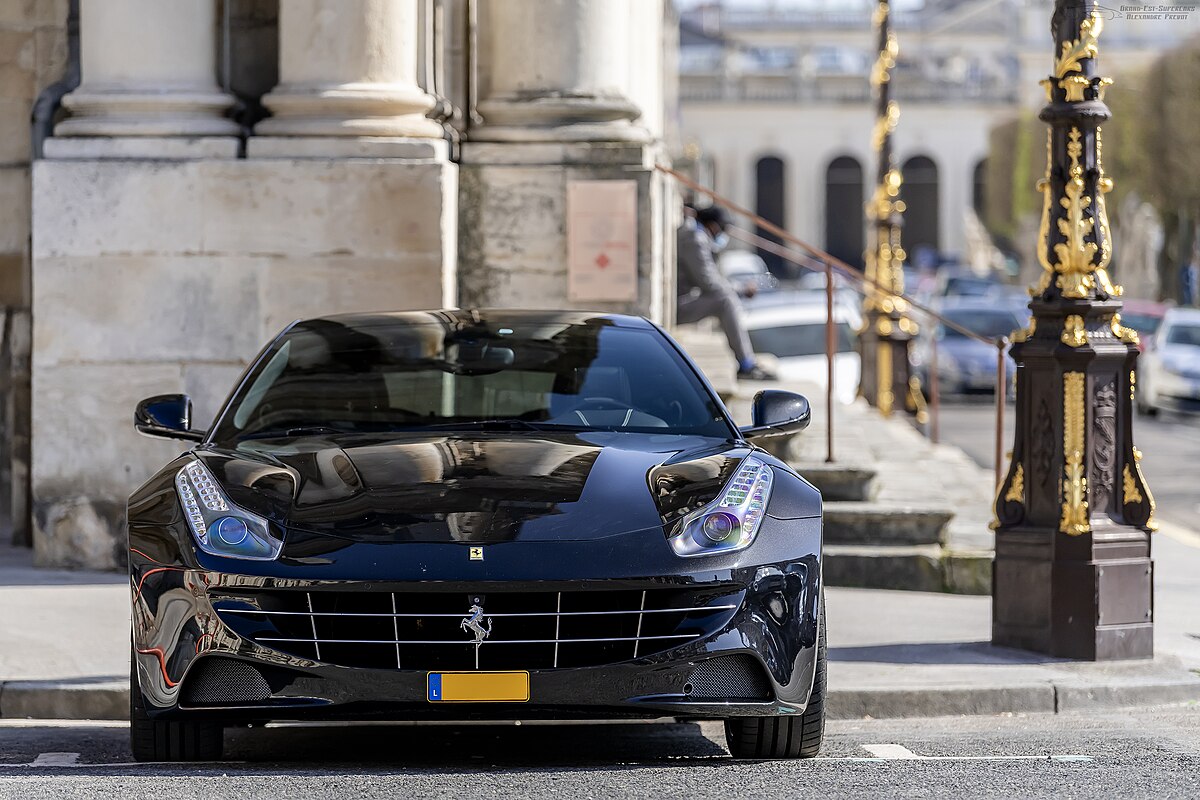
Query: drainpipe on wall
[[45, 108]]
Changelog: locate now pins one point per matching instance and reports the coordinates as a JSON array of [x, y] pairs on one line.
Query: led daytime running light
[[220, 527], [743, 502]]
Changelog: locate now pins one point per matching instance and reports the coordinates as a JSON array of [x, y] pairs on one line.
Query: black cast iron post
[[1073, 575], [888, 331]]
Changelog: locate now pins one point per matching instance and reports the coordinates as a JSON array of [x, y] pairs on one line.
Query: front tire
[[784, 737], [169, 740]]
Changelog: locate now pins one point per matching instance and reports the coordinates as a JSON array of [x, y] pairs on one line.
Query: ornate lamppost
[[1073, 575], [887, 332]]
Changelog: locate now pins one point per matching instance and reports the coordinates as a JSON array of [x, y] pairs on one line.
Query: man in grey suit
[[703, 291]]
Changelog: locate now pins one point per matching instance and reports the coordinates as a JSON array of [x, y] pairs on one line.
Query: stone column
[[571, 86], [148, 89], [348, 83], [557, 101]]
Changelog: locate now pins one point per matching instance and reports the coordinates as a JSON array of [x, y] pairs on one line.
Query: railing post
[[830, 354]]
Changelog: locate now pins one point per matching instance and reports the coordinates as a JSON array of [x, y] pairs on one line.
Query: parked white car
[[742, 267], [1169, 376], [794, 333]]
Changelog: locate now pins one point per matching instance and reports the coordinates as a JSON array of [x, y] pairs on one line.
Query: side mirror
[[168, 416], [776, 413]]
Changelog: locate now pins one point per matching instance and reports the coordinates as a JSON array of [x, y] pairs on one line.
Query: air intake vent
[[430, 630], [216, 681], [737, 677]]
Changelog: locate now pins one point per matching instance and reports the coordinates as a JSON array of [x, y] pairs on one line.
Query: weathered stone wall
[[33, 55], [158, 276], [513, 236]]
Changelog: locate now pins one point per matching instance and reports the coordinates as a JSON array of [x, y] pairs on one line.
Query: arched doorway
[[920, 194], [844, 210], [979, 188], [769, 183]]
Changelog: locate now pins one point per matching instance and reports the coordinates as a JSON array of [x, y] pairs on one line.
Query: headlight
[[219, 527], [732, 520]]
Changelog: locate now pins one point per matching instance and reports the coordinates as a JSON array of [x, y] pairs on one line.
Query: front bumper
[[181, 620]]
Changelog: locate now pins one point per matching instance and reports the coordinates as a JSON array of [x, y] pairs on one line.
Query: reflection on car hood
[[463, 487]]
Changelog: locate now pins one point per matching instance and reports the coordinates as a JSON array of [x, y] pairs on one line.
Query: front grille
[[430, 631], [216, 681], [738, 677]]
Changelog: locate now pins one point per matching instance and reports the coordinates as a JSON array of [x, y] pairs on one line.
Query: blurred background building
[[775, 104]]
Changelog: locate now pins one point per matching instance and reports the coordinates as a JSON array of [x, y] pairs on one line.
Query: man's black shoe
[[755, 373]]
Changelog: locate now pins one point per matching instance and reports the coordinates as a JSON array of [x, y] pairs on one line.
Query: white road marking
[[898, 752], [63, 723], [890, 752], [56, 760]]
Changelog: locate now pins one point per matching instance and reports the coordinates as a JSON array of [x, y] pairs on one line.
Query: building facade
[[213, 169], [776, 97]]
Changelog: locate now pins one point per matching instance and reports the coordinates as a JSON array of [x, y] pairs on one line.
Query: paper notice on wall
[[601, 240]]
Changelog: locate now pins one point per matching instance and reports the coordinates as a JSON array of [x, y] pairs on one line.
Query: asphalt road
[[1170, 444], [1138, 754]]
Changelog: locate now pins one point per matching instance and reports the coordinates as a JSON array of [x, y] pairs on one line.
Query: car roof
[[771, 316], [1176, 315], [1148, 308], [484, 316]]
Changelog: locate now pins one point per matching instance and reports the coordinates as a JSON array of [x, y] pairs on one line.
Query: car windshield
[[1184, 334], [790, 341], [989, 324], [332, 376]]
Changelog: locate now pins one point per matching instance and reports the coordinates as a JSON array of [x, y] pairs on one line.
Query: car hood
[[475, 487]]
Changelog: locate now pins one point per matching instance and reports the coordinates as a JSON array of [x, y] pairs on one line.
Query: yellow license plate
[[477, 687]]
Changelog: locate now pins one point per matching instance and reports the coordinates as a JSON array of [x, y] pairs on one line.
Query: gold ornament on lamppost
[[888, 331], [1073, 575]]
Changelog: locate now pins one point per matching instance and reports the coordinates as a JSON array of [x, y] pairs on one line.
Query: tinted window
[[325, 374], [788, 341], [1184, 334]]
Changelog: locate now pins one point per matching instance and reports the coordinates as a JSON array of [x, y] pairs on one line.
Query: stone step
[[860, 523], [712, 355], [917, 568], [840, 482]]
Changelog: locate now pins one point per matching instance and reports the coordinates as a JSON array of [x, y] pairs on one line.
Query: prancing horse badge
[[477, 554]]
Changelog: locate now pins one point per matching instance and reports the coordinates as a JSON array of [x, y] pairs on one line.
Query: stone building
[[202, 172], [776, 96]]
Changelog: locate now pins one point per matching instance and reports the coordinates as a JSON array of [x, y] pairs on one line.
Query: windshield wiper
[[296, 430]]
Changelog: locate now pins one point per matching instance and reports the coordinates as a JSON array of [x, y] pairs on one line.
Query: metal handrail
[[818, 259]]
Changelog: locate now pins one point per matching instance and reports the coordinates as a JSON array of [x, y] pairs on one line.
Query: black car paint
[[595, 513]]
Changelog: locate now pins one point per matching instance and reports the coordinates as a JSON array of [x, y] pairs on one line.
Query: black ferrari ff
[[475, 515]]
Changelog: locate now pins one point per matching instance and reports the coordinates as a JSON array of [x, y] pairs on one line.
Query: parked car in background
[[1145, 317], [744, 268], [963, 282], [793, 330], [965, 364], [1170, 370]]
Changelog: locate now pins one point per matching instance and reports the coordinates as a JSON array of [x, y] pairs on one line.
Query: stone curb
[[100, 698], [108, 699]]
